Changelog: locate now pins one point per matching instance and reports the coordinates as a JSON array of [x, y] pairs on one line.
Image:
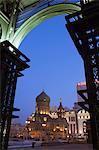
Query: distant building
[[71, 117], [18, 131], [45, 124], [51, 124], [80, 86], [14, 130], [82, 116]]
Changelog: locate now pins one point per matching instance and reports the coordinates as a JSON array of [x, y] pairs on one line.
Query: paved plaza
[[60, 147]]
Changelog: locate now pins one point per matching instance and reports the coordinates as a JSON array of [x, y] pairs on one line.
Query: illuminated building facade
[[71, 117], [46, 124], [52, 124], [43, 125], [82, 117]]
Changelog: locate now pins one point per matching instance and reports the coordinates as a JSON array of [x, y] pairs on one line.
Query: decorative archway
[[39, 17]]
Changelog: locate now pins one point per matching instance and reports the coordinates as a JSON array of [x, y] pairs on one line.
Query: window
[[33, 119], [69, 118], [71, 128], [84, 127], [74, 128], [72, 118], [45, 119]]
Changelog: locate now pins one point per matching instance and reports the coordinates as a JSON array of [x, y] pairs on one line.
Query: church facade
[[45, 124]]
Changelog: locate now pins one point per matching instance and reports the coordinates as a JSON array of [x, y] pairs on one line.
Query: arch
[[4, 22], [41, 16], [0, 31]]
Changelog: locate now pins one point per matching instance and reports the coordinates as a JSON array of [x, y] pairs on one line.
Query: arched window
[[84, 127]]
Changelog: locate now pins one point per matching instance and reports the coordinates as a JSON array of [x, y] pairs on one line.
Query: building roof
[[60, 108], [42, 96]]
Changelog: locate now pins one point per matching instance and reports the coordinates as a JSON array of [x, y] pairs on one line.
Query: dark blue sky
[[55, 67]]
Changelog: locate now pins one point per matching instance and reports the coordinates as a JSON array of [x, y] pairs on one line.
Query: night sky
[[55, 67]]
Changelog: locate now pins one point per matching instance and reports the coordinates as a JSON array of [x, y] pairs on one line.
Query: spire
[[60, 111], [60, 100], [60, 105], [43, 90]]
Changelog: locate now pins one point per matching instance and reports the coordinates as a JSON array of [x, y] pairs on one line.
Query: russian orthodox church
[[42, 125]]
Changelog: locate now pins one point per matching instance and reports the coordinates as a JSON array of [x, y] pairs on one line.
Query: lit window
[[32, 115], [85, 117], [30, 129], [57, 127], [54, 129], [44, 99], [41, 112], [33, 119], [27, 122], [45, 119], [65, 128], [61, 129], [43, 125], [11, 49], [79, 117]]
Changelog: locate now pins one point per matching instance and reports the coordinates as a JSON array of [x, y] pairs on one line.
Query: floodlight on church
[[43, 125]]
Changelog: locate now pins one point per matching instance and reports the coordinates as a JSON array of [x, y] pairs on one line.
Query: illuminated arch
[[39, 18]]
